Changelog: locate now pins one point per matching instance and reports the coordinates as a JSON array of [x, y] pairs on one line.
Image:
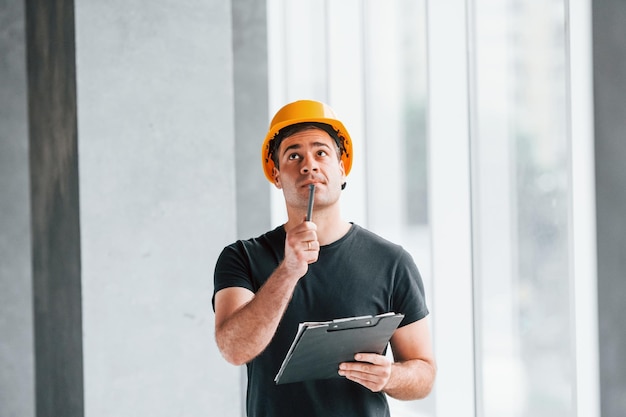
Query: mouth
[[306, 184]]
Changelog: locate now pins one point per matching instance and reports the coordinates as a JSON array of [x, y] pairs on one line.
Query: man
[[318, 270]]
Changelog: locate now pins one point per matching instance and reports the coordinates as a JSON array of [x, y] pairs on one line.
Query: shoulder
[[375, 241], [248, 263], [252, 253], [381, 250], [269, 240]]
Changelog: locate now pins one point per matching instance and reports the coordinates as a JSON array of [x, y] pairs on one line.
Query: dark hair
[[285, 132]]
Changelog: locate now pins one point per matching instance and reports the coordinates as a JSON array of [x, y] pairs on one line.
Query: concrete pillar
[[251, 97], [250, 74], [609, 67], [56, 262], [17, 384]]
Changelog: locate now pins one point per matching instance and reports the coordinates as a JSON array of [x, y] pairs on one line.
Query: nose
[[309, 165]]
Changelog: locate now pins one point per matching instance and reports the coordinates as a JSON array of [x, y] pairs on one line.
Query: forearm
[[411, 380], [247, 331]]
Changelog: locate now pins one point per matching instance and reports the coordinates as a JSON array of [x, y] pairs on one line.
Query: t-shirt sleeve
[[232, 269], [408, 295]]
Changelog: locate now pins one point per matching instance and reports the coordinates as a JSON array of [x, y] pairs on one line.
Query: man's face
[[309, 156]]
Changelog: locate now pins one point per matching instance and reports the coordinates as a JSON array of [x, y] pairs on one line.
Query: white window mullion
[[584, 264], [450, 207]]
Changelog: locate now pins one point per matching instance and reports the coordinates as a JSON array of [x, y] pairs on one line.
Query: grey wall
[[156, 144], [609, 54], [17, 385], [136, 116]]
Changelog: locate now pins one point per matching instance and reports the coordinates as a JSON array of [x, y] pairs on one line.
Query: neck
[[330, 226]]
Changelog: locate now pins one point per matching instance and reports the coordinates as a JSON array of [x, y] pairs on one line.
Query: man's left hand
[[371, 370]]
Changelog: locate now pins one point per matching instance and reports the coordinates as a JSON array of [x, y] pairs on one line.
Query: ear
[[343, 170], [276, 176]]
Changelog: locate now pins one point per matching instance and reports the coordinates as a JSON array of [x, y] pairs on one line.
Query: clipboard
[[319, 347]]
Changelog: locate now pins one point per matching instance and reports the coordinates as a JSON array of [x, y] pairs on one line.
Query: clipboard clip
[[367, 321]]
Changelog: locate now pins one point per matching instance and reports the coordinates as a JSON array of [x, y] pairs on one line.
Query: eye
[[321, 153], [293, 156]]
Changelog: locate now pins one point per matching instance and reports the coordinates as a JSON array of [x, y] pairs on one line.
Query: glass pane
[[521, 216], [367, 59]]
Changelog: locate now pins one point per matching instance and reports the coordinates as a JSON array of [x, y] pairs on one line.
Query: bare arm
[[246, 322], [412, 374]]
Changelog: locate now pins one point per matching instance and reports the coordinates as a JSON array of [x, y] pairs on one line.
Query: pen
[[309, 212]]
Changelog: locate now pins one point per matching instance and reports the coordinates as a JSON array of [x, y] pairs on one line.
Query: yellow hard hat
[[306, 111]]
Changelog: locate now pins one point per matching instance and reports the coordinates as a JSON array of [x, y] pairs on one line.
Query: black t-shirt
[[360, 274]]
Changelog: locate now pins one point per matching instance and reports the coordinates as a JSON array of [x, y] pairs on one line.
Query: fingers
[[301, 247], [304, 238], [312, 246], [371, 370]]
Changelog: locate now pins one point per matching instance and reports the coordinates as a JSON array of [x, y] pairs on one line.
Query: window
[[471, 134], [521, 210]]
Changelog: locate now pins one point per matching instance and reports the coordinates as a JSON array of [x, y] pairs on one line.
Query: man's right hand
[[301, 248]]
